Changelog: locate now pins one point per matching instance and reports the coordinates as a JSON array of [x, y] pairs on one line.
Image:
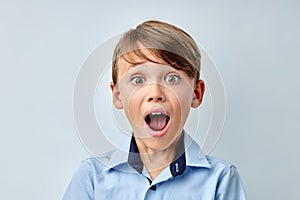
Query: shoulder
[[82, 183], [218, 163], [97, 160], [229, 184], [95, 164], [221, 166]]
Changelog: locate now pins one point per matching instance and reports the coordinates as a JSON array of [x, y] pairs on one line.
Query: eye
[[137, 80], [172, 79]]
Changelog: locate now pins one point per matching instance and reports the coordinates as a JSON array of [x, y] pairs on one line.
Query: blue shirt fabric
[[120, 174]]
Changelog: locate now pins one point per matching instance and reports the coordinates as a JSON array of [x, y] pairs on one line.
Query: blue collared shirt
[[120, 174]]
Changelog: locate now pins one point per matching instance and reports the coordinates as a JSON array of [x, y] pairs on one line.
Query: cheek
[[183, 103], [132, 104], [184, 97], [184, 93], [179, 99], [126, 94]]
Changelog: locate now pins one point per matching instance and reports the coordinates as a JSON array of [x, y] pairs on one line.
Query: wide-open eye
[[137, 80], [172, 79]]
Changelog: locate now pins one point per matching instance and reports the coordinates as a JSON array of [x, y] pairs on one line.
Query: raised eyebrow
[[172, 73], [134, 75]]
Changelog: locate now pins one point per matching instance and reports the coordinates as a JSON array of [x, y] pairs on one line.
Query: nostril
[[155, 99]]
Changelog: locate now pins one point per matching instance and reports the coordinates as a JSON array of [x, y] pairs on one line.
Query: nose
[[155, 93]]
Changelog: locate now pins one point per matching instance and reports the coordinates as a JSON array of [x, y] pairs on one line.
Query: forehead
[[130, 60], [126, 69]]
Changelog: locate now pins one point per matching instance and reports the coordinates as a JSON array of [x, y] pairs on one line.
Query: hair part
[[160, 40]]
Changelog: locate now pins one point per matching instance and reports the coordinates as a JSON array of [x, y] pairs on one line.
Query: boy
[[156, 80]]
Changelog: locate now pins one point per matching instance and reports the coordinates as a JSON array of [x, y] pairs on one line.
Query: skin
[[152, 87]]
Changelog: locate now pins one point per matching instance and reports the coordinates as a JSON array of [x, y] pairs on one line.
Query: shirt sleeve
[[230, 186], [81, 186]]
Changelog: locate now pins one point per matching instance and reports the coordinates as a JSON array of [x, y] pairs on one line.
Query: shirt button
[[153, 187]]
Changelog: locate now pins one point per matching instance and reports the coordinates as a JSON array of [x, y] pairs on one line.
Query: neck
[[156, 161]]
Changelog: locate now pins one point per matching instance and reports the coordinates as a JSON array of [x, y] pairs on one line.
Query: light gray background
[[255, 45]]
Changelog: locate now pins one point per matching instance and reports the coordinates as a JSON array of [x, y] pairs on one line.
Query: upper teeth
[[156, 113]]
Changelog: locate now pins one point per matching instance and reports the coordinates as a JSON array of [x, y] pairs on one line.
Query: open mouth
[[157, 121]]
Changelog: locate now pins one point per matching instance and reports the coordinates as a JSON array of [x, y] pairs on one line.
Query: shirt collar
[[177, 167], [126, 158], [134, 159]]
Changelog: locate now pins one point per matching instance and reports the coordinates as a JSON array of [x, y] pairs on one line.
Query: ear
[[198, 94], [116, 96]]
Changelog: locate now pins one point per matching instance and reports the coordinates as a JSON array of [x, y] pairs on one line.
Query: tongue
[[157, 123]]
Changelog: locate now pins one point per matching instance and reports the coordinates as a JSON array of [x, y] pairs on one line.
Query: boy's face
[[156, 99]]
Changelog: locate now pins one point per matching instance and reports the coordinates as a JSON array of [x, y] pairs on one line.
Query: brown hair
[[162, 40]]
